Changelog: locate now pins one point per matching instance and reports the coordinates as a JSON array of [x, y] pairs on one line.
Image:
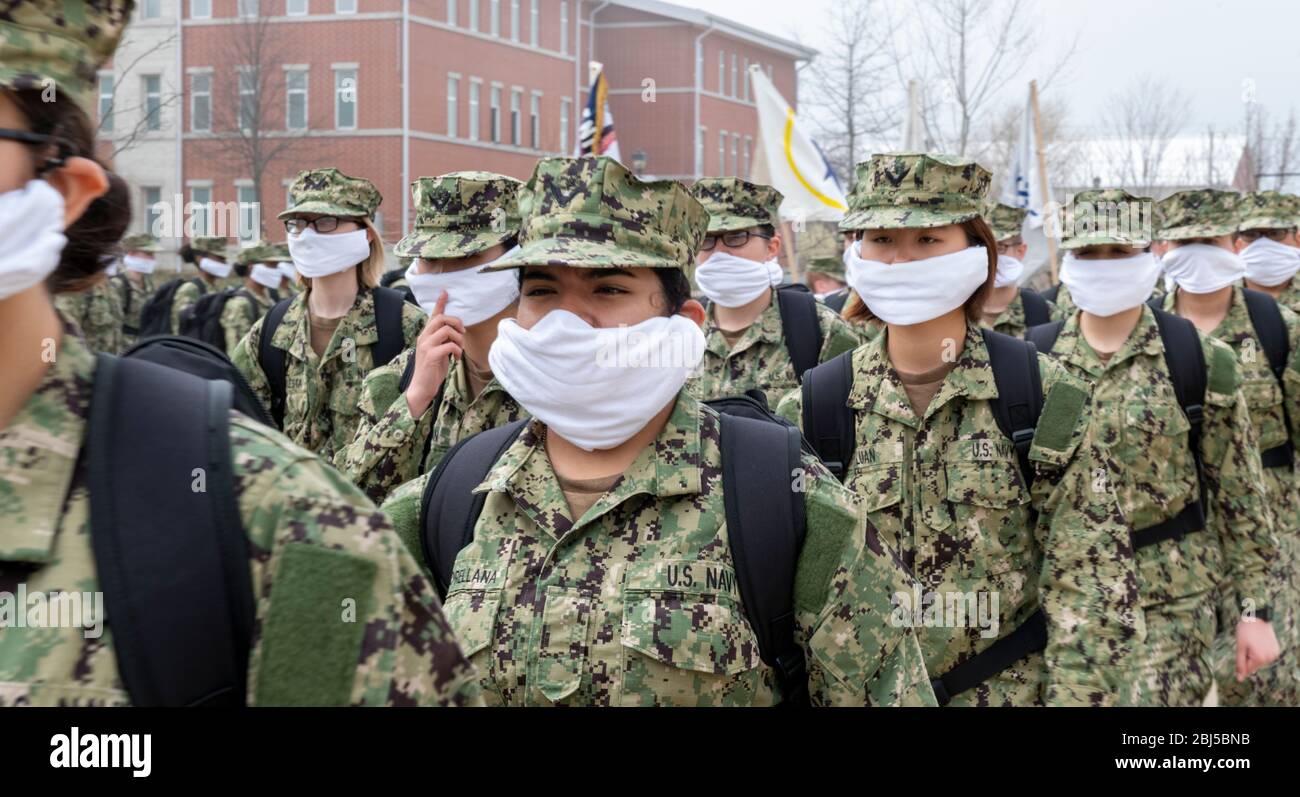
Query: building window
[[769, 71], [516, 99], [345, 99], [248, 8], [151, 9], [247, 98], [201, 102], [722, 153], [248, 214], [699, 150], [201, 9], [733, 75], [494, 126], [535, 122], [564, 28], [494, 17], [534, 22], [295, 8], [722, 72], [566, 106], [152, 102], [106, 102], [474, 88], [453, 98], [200, 198], [744, 80], [735, 154], [345, 6], [152, 197], [473, 16], [514, 20], [749, 143], [295, 112], [451, 12]]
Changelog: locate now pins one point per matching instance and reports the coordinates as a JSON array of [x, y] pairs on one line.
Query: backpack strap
[[1051, 293], [172, 559], [836, 300], [1044, 336], [1267, 320], [803, 335], [1020, 393], [828, 421], [274, 362], [1036, 309], [766, 528], [388, 320], [1028, 637], [449, 508]]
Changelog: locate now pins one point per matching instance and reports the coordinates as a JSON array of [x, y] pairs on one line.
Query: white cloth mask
[[143, 265], [215, 267], [1270, 263], [595, 388], [288, 270], [31, 236], [1202, 268], [266, 276], [473, 295], [319, 255], [1009, 271], [732, 281], [1106, 287], [919, 290]]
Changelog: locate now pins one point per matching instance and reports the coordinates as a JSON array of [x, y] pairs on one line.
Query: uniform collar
[[1235, 326], [765, 329], [1014, 314], [457, 382], [1073, 348]]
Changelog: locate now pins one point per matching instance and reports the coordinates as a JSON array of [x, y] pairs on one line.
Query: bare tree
[[1142, 122], [846, 92], [143, 117], [995, 150], [1272, 148]]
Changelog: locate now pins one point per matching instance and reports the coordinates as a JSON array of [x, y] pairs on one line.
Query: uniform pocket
[[877, 475], [562, 648], [1157, 432], [472, 615], [991, 513], [1264, 398]]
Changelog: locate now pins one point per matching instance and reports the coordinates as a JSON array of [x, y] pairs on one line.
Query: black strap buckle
[[1195, 413], [1022, 436], [940, 691]]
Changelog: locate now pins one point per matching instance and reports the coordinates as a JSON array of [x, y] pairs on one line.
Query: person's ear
[[1238, 243], [80, 181], [1021, 250], [774, 247], [694, 311]]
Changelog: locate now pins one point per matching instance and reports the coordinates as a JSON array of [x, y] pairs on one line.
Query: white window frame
[[195, 94], [701, 146], [148, 95], [733, 75], [534, 22], [345, 6], [147, 5], [289, 91], [240, 187], [451, 12], [494, 113], [475, 107], [104, 102], [494, 18], [722, 153], [453, 105], [516, 117], [475, 20], [202, 218], [744, 81], [339, 72], [146, 205], [240, 72], [722, 72], [747, 155], [196, 5], [535, 121], [735, 154], [566, 111], [248, 9], [289, 12], [564, 27], [514, 20]]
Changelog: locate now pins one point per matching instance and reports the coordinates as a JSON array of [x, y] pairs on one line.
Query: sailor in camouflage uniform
[[1007, 223], [250, 301], [324, 368], [214, 273], [97, 313], [942, 483], [1189, 545], [624, 593], [1266, 240], [301, 518], [747, 342], [136, 282], [464, 220]]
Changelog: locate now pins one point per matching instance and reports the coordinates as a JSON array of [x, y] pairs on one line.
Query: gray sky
[[1206, 48]]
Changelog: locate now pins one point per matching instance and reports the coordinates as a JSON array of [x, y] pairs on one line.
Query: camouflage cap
[[830, 266], [215, 247], [257, 253], [916, 190], [140, 242], [1202, 213], [1268, 210], [1007, 222], [278, 253], [329, 192], [594, 213], [461, 214], [1107, 216], [734, 204], [59, 42]]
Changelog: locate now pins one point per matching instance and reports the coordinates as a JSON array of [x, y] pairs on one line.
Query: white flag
[[1024, 189], [794, 164]]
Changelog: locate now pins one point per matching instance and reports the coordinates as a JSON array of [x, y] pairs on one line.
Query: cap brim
[[321, 209], [1196, 231], [1103, 240], [581, 253], [437, 245], [902, 218], [1267, 223], [733, 223]]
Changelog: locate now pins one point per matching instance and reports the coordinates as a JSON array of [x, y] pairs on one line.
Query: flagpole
[[1042, 176]]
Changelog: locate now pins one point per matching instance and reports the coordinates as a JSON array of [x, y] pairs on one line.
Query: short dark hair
[[676, 287], [241, 269]]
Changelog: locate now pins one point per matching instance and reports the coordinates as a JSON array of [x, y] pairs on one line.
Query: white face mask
[[1106, 287], [1009, 271], [596, 388], [733, 281], [144, 265], [266, 276], [288, 270], [31, 236], [318, 255], [1270, 263], [473, 295], [1202, 268], [215, 267], [920, 290]]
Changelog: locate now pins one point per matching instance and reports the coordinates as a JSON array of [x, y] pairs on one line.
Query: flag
[[1024, 189], [596, 131], [793, 163]]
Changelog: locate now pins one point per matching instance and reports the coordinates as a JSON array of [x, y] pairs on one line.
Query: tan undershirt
[[991, 319], [582, 493], [322, 330], [477, 377], [1104, 356], [732, 337], [922, 387]]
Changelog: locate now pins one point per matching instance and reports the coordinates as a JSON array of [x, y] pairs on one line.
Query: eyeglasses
[[62, 145], [733, 239], [322, 224]]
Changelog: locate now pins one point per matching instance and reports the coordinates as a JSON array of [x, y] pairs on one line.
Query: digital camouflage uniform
[[1137, 419], [1007, 223], [946, 489], [1064, 307], [247, 303], [1273, 210], [300, 517], [457, 215], [98, 314], [1209, 213], [134, 289], [760, 358], [322, 393], [188, 292], [635, 602]]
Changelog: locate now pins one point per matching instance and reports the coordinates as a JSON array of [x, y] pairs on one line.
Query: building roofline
[[704, 19]]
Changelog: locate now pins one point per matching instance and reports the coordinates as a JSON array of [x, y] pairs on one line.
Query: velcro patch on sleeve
[[1223, 370], [1061, 411], [829, 529]]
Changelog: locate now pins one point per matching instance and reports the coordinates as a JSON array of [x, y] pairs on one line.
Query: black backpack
[[172, 560], [1051, 293], [202, 320], [1037, 310], [836, 300], [204, 361], [766, 529], [1188, 372], [156, 315], [389, 277], [799, 325], [124, 288], [388, 318]]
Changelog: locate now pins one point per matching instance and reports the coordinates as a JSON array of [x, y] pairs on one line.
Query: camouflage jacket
[[1290, 298], [1011, 321], [322, 393], [133, 296], [637, 603], [1136, 417], [97, 313], [301, 519], [1266, 400], [186, 295], [389, 447], [946, 490], [1063, 306], [760, 358], [242, 310]]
